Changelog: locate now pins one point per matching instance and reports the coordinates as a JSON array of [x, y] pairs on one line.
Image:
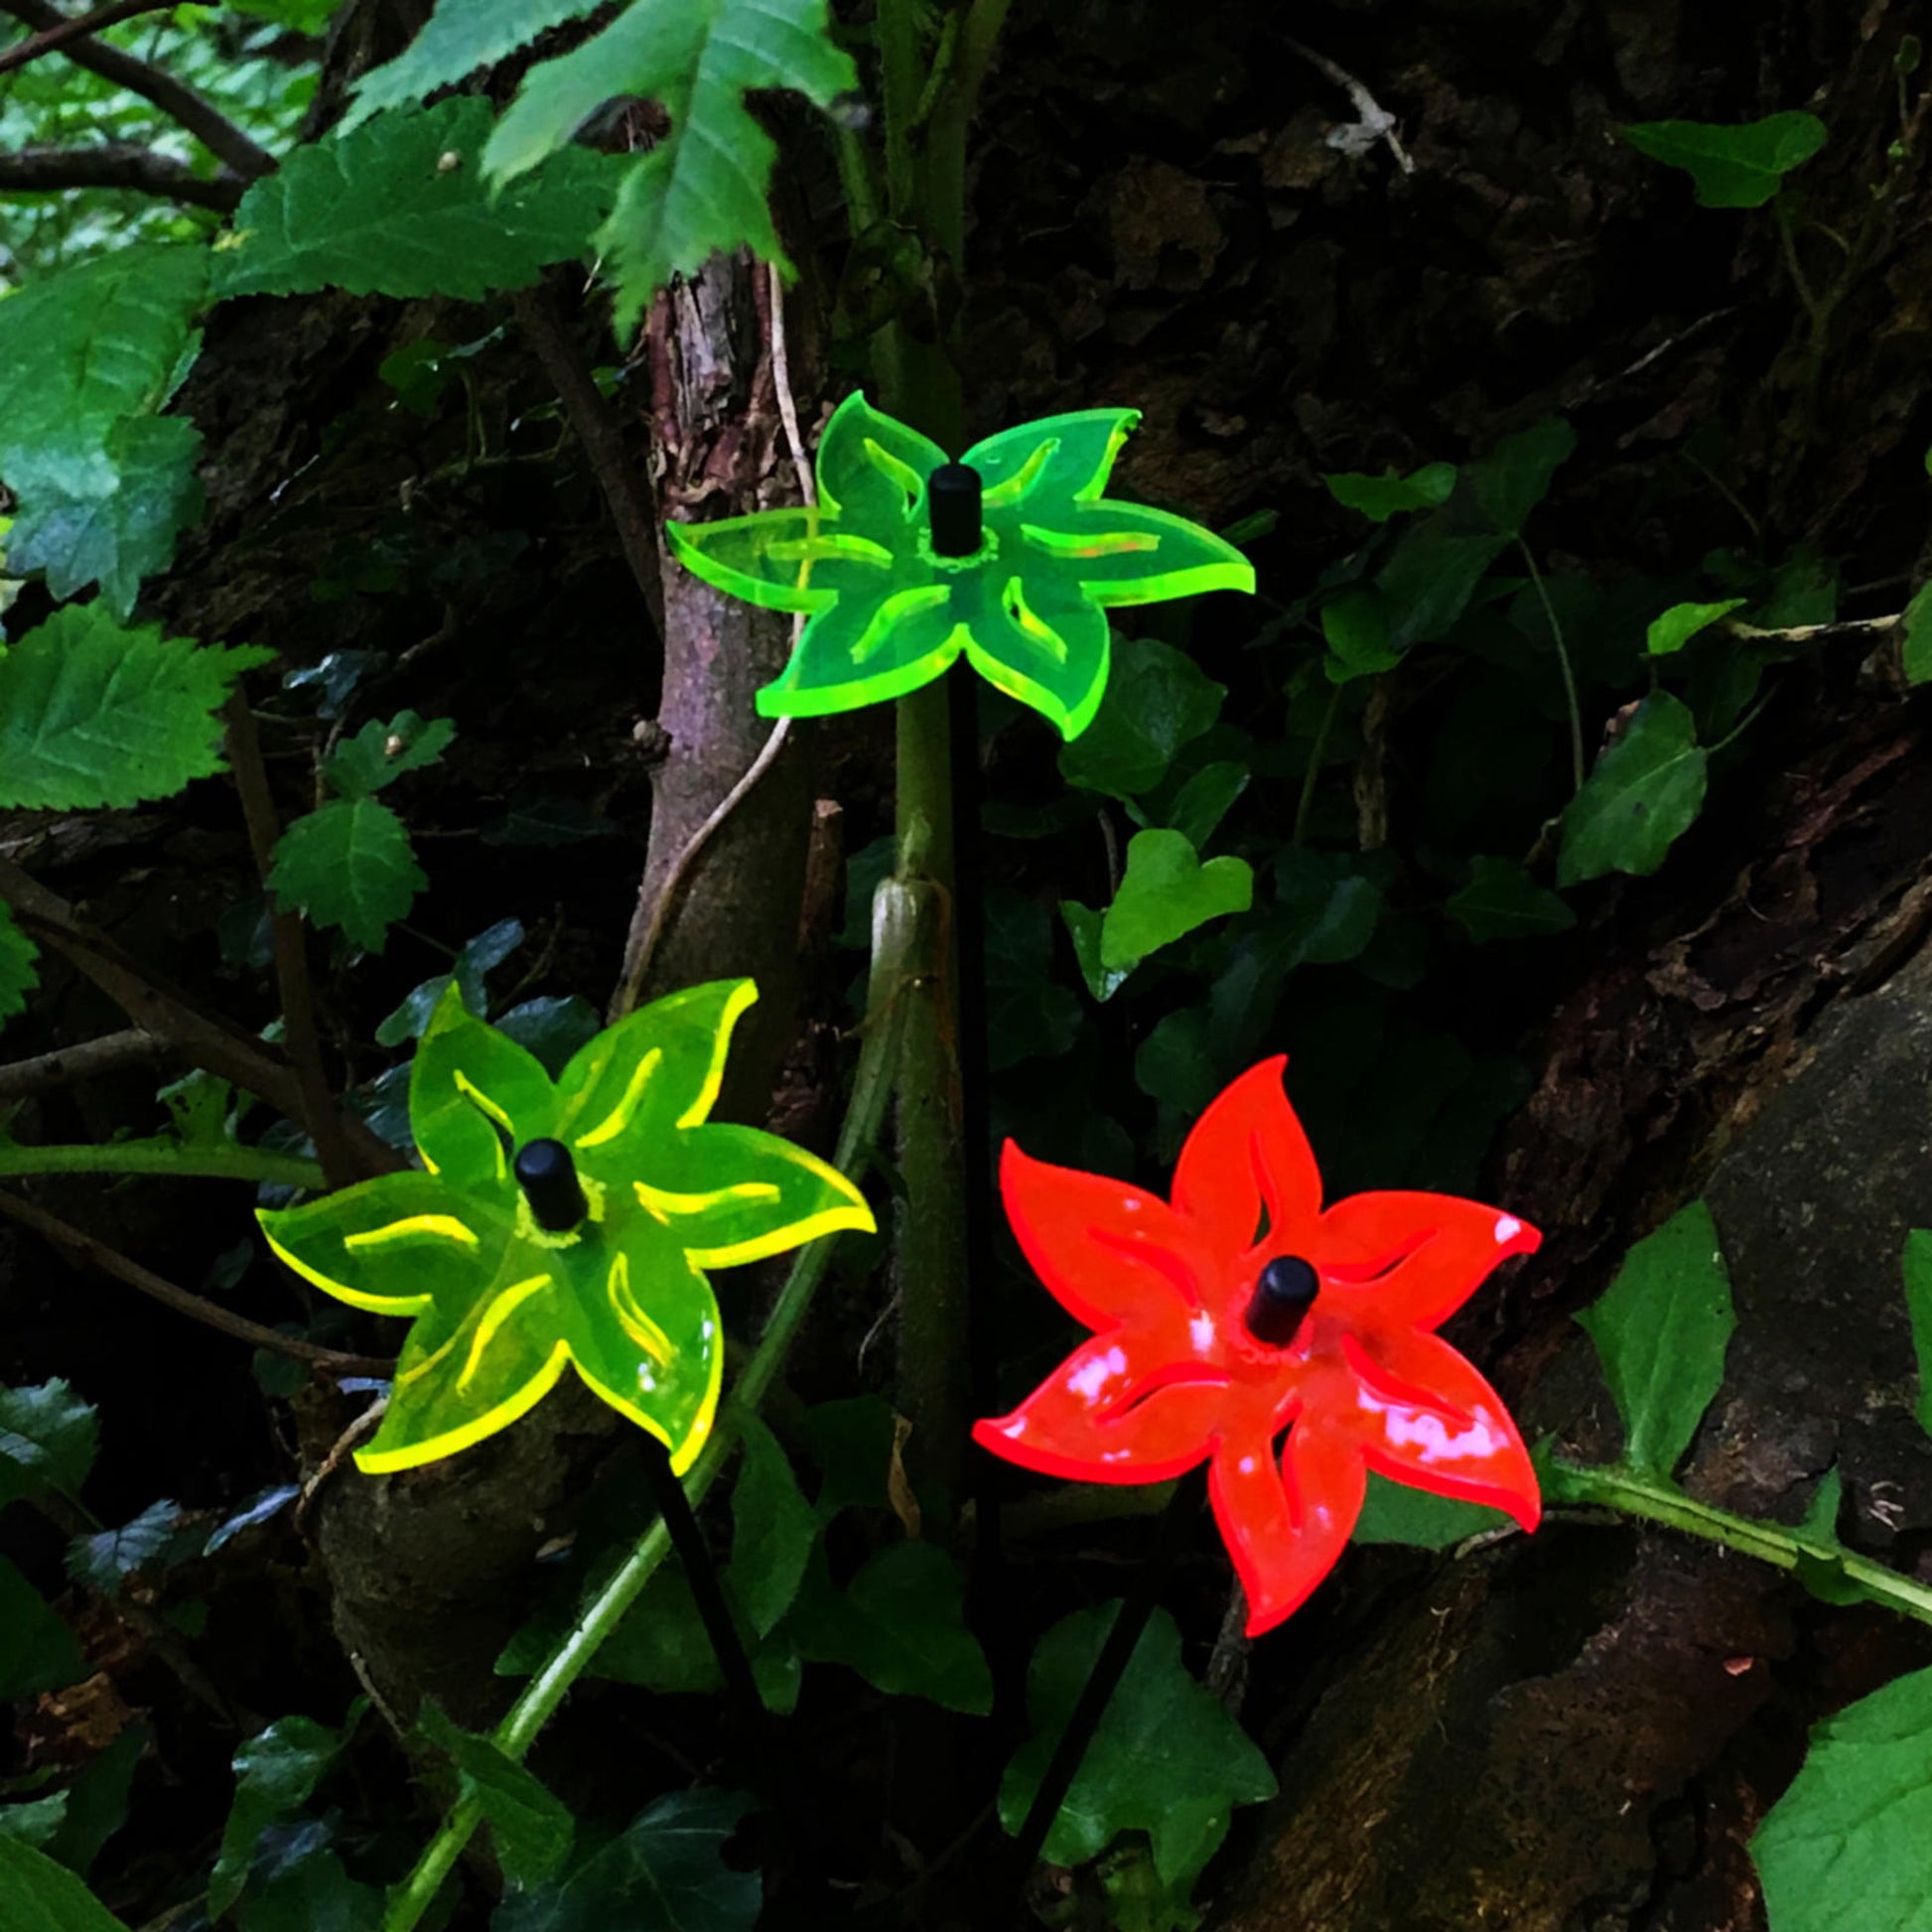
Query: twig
[[110, 1261], [212, 128], [787, 402], [1570, 700], [1807, 633], [164, 1158], [1372, 121], [340, 1452], [101, 18], [118, 164], [68, 1065]]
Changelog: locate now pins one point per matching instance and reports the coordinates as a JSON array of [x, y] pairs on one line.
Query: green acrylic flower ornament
[[901, 572], [564, 1222]]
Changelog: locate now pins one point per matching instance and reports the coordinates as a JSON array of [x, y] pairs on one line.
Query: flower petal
[[1247, 1167], [1125, 553], [1413, 1258], [1036, 637], [1286, 1523], [871, 470], [475, 1094], [1111, 1255], [780, 560], [1050, 464], [867, 647], [1112, 1412], [1424, 1416]]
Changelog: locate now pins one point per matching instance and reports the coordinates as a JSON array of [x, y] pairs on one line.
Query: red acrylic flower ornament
[[1244, 1312]]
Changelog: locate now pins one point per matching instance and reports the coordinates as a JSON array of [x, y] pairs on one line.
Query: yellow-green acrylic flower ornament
[[563, 1223], [1010, 558]]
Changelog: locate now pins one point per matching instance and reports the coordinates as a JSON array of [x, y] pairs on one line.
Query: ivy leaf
[[1205, 799], [1645, 791], [1502, 902], [665, 1872], [1381, 497], [532, 1827], [1176, 1062], [42, 1897], [701, 190], [1158, 701], [1429, 576], [1516, 475], [37, 1649], [774, 1529], [461, 37], [1027, 1016], [47, 1440], [1356, 625], [399, 206], [1682, 621], [1661, 1330], [1731, 166], [1083, 927], [1918, 1304], [276, 1771], [1166, 1759], [349, 864], [361, 766], [1166, 894], [1846, 1849], [1396, 1513], [900, 1624], [91, 715]]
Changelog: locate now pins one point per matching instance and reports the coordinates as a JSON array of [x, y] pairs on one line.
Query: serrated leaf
[[1167, 893], [361, 766], [461, 37], [42, 1897], [1502, 902], [47, 1440], [1682, 621], [701, 190], [1645, 792], [19, 967], [275, 1772], [1661, 1330], [774, 1529], [1380, 497], [350, 864], [1731, 166], [1917, 1261], [399, 206], [1158, 700], [532, 1827], [1849, 1846], [1516, 475], [93, 715], [37, 1649], [1166, 1758], [105, 1560]]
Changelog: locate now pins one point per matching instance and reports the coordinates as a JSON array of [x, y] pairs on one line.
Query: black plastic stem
[[548, 1178], [1282, 1300], [952, 502]]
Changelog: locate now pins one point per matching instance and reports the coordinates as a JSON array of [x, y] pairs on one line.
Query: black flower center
[[1282, 1300], [952, 502], [548, 1178]]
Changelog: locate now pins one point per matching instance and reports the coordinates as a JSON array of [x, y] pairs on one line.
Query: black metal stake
[[548, 1178], [1104, 1679]]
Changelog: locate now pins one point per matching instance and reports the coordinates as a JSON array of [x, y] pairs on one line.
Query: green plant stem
[[1563, 659], [1312, 775], [900, 914], [1634, 1492], [176, 1159]]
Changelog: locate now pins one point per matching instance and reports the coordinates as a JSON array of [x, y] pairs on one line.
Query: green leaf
[[461, 37], [276, 1771], [33, 1821], [1918, 1304], [774, 1529], [1849, 1846], [97, 1806], [532, 1827], [349, 864], [1205, 799], [91, 715], [47, 1440], [1356, 628], [1516, 475], [1430, 578], [300, 1885], [1394, 1513], [37, 1649], [1821, 1567], [900, 1624], [42, 1897], [82, 348], [1166, 894], [1083, 927], [121, 532], [1645, 791], [159, 1535], [399, 206], [1731, 166], [1158, 700], [850, 1442], [1176, 1063], [1166, 1759], [361, 766], [1682, 621], [1381, 497], [666, 1873], [701, 190], [1502, 902], [1917, 649], [1660, 1329], [1027, 1016]]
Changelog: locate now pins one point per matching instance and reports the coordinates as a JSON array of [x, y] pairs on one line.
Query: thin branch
[[118, 164], [180, 102], [211, 1314], [1811, 634], [101, 18], [70, 1065]]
